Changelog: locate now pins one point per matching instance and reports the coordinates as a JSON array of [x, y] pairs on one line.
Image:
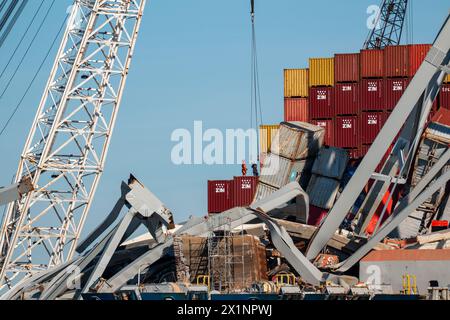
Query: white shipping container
[[297, 140], [276, 171]]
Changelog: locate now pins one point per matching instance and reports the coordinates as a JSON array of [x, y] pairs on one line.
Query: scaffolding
[[227, 250]]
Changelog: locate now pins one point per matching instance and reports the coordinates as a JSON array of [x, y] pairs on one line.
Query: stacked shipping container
[[349, 95], [296, 106], [347, 70], [352, 95]]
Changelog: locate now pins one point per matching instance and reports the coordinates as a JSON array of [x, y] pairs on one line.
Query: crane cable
[[21, 39], [257, 117], [13, 22], [19, 104], [8, 84]]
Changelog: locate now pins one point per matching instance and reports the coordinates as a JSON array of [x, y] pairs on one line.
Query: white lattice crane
[[68, 142]]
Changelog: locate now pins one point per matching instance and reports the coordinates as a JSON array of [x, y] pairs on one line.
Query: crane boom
[[388, 27], [68, 142]]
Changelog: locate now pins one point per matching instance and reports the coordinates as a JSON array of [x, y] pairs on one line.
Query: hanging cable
[[19, 104], [256, 115], [28, 49], [4, 19], [13, 22], [21, 39]]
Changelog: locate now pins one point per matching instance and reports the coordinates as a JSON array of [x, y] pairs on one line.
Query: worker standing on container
[[244, 168], [255, 170]]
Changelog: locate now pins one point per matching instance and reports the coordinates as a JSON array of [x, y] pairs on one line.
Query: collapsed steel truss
[[66, 148]]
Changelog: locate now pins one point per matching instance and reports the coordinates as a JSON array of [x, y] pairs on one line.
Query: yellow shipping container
[[447, 79], [296, 83], [321, 72], [266, 133]]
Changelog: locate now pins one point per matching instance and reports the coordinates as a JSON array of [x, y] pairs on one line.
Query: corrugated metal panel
[[444, 97], [394, 90], [263, 191], [321, 72], [396, 61], [321, 102], [372, 95], [296, 83], [297, 140], [346, 97], [276, 171], [330, 162], [417, 54], [296, 109], [266, 134], [346, 67], [371, 124], [322, 191], [411, 226], [347, 132], [328, 126], [408, 255], [244, 189], [220, 195], [372, 63]]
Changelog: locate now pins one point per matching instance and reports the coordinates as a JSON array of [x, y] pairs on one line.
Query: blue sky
[[192, 62]]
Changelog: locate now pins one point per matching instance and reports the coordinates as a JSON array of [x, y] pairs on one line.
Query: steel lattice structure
[[66, 148], [390, 19]]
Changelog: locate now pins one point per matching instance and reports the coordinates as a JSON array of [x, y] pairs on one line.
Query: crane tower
[[68, 142], [390, 21]]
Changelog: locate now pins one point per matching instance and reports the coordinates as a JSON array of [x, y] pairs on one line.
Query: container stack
[[347, 102], [296, 103], [323, 188], [321, 95], [293, 150], [372, 93], [352, 95]]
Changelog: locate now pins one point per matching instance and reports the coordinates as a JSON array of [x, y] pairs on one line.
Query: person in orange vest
[[244, 168]]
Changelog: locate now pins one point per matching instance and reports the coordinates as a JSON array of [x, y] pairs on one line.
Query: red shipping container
[[316, 215], [394, 89], [346, 67], [328, 125], [371, 124], [346, 98], [296, 109], [396, 61], [220, 195], [321, 102], [346, 132], [244, 189], [417, 54], [444, 97], [372, 63], [372, 95]]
